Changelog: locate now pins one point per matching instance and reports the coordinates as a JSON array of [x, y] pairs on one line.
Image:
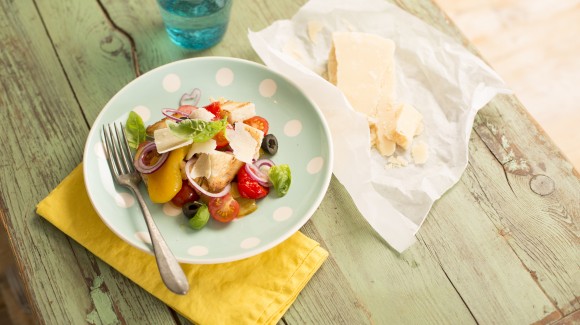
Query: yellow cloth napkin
[[256, 290]]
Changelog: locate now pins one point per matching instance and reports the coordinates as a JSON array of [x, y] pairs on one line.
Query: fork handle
[[169, 268]]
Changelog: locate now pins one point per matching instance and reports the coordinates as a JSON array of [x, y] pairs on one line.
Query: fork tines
[[117, 149]]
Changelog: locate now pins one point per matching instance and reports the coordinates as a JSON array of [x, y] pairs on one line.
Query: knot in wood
[[112, 44], [542, 185]]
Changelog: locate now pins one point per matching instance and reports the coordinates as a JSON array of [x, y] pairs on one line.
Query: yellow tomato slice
[[165, 182]]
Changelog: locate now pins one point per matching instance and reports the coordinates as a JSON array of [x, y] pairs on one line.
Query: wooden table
[[502, 246]]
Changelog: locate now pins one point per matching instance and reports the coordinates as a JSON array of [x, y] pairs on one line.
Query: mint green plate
[[304, 144]]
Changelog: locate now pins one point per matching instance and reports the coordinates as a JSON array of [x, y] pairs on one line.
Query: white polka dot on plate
[[171, 210], [224, 77], [293, 128], [198, 251], [124, 200], [143, 111], [250, 242], [99, 150], [143, 236], [268, 88], [282, 213], [315, 165], [171, 83]]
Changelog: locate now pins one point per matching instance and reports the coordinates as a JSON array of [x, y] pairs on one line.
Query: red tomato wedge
[[258, 122], [249, 187], [223, 209], [215, 109]]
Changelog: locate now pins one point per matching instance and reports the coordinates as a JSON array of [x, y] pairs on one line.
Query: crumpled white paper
[[435, 74]]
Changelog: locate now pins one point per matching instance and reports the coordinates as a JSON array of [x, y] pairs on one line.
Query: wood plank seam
[[59, 59], [436, 258], [116, 27]]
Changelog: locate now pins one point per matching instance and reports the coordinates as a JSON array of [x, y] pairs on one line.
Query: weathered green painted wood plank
[[96, 57], [544, 233], [481, 265], [391, 288], [328, 298], [540, 227], [36, 97]]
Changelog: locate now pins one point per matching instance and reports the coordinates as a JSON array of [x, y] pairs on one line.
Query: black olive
[[190, 209], [270, 144]]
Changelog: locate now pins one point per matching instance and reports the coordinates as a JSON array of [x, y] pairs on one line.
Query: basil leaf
[[135, 130], [197, 130], [281, 178]]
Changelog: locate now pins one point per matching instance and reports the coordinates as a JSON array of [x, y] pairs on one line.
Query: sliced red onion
[[258, 175], [190, 99], [264, 162], [185, 110], [142, 152], [198, 187], [169, 113]]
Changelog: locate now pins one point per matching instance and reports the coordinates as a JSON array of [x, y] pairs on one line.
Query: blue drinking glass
[[195, 24]]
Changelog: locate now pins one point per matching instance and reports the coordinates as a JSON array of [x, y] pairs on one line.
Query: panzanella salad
[[213, 161]]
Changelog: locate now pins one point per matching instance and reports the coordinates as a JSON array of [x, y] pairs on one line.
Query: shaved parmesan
[[201, 114], [242, 142], [166, 141], [201, 147], [201, 167]]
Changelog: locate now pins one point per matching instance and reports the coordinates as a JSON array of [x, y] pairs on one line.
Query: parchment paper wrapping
[[434, 73]]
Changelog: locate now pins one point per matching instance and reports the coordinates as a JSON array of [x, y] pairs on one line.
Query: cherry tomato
[[258, 122], [223, 209], [221, 140], [215, 109], [185, 195], [248, 187]]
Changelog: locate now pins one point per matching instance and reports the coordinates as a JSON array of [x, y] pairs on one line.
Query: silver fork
[[120, 162]]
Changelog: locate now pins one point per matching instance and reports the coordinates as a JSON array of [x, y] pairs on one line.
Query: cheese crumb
[[407, 121], [420, 152], [396, 162]]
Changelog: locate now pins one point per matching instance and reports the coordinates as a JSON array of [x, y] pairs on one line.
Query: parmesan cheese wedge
[[357, 65], [362, 66]]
